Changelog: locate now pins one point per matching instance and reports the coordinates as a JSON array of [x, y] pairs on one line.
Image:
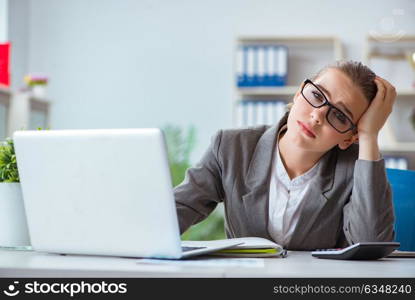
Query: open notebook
[[248, 247]]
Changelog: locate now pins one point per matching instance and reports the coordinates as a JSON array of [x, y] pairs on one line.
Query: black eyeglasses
[[335, 117]]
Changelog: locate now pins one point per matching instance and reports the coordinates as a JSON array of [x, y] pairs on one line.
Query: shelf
[[39, 104], [22, 108], [36, 102], [4, 90], [406, 92], [390, 38], [4, 96], [268, 91], [287, 39], [399, 146], [291, 90]]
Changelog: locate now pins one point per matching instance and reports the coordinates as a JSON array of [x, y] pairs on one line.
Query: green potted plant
[[13, 224], [179, 145]]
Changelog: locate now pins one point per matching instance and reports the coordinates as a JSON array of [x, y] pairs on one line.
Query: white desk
[[297, 264]]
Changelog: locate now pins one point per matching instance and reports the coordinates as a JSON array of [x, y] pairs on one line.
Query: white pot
[[13, 224], [39, 91]]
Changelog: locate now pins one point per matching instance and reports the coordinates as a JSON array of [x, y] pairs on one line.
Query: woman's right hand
[[378, 111]]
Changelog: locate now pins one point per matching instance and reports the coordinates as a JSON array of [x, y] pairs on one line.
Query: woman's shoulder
[[238, 142], [242, 136], [235, 147]]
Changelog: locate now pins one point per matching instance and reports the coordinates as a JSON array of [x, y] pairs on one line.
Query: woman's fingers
[[389, 92], [387, 83], [380, 95], [379, 109]]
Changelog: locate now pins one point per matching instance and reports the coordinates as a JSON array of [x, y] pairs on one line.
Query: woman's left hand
[[378, 111]]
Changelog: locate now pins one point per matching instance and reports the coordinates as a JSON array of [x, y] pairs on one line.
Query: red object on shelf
[[5, 64]]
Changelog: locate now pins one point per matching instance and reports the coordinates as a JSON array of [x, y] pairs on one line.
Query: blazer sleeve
[[369, 215], [201, 189]]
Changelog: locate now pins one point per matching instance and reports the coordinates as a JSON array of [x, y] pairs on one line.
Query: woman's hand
[[374, 118], [380, 108]]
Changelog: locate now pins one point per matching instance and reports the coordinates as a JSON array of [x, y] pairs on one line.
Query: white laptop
[[101, 192]]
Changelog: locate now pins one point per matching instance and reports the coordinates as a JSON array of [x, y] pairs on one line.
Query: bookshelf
[[306, 56], [390, 57], [27, 112]]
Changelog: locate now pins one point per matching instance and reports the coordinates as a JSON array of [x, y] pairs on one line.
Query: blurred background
[[194, 67]]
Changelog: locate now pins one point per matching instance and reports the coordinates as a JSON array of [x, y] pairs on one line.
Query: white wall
[[18, 32], [147, 63], [3, 20]]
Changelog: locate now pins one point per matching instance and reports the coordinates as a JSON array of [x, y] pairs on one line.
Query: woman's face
[[308, 127]]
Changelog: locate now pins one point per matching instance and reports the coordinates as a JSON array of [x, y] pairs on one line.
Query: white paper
[[208, 262]]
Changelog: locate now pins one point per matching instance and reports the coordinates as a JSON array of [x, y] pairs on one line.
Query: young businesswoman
[[315, 180]]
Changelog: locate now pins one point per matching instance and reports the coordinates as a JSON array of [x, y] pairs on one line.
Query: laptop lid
[[98, 192]]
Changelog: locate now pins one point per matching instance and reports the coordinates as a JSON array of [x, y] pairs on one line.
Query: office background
[[151, 63]]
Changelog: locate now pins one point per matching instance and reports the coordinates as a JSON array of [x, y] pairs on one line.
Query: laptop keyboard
[[185, 249]]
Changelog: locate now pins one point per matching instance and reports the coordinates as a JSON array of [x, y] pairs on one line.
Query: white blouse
[[286, 198]]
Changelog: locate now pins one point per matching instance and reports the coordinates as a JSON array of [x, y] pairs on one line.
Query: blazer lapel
[[257, 182]]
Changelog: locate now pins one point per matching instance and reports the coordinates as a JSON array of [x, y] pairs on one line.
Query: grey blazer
[[349, 200]]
